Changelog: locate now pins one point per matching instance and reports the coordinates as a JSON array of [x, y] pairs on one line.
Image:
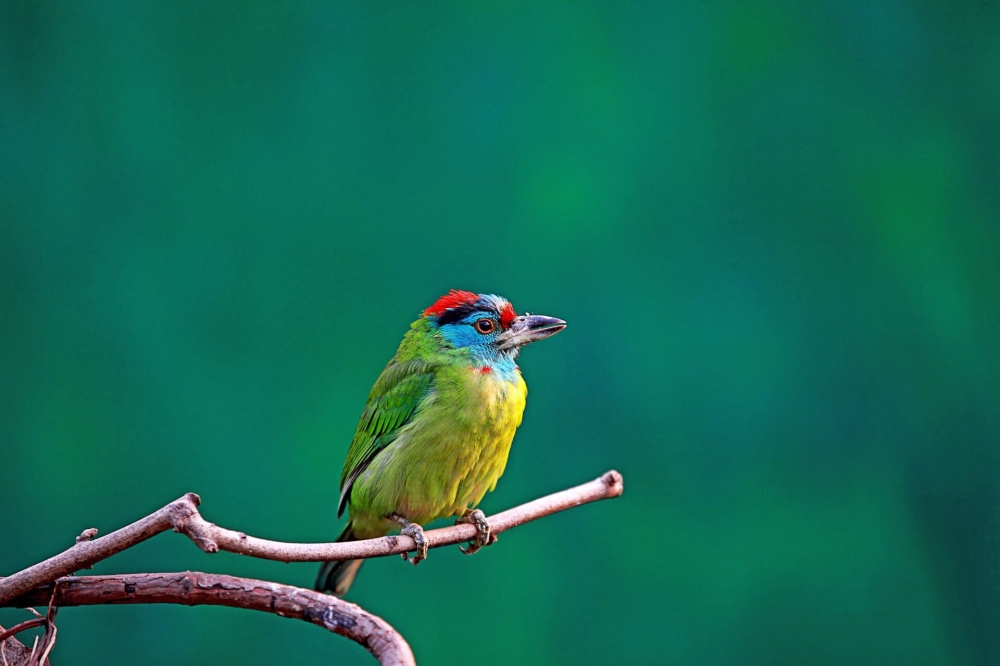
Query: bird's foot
[[416, 532], [484, 534]]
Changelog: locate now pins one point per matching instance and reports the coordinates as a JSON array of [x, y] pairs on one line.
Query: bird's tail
[[337, 576]]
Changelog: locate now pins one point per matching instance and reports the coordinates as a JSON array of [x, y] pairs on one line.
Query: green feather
[[391, 404]]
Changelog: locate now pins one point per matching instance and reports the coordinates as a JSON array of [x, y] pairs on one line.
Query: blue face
[[478, 332]]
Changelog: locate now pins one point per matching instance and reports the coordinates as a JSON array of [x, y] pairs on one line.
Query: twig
[[49, 638], [18, 628], [193, 588], [182, 515]]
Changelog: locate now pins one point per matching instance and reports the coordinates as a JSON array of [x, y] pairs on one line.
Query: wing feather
[[391, 405]]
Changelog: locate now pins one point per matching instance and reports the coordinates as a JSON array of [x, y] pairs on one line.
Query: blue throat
[[501, 364]]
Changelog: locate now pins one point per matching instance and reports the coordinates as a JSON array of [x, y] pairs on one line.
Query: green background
[[772, 228]]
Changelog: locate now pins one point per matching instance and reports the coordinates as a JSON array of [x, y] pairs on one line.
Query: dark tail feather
[[336, 577]]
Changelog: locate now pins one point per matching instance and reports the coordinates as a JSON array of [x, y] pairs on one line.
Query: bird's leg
[[484, 535], [416, 532]]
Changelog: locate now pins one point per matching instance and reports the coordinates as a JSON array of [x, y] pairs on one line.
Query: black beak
[[529, 328]]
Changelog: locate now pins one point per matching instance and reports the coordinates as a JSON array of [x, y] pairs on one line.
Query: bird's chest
[[464, 444], [484, 404]]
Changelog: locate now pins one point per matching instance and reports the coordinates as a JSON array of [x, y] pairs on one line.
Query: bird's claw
[[415, 532], [484, 534]]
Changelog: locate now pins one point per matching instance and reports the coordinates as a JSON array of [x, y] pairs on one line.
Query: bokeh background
[[772, 227]]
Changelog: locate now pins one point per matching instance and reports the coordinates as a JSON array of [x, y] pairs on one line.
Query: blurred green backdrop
[[772, 227]]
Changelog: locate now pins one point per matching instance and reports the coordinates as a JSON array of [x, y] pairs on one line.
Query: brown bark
[[34, 585], [182, 515], [193, 589], [14, 652]]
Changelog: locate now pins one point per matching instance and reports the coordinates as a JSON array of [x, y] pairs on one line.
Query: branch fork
[[52, 580]]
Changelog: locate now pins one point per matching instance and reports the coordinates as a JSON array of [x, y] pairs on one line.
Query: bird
[[436, 431]]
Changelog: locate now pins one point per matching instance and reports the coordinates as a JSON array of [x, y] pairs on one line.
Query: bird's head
[[487, 326]]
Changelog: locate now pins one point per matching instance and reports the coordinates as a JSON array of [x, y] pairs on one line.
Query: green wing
[[391, 405]]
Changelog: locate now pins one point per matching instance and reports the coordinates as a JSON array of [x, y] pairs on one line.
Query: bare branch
[[84, 554], [34, 585], [182, 515], [49, 640], [193, 589], [49, 637], [23, 626]]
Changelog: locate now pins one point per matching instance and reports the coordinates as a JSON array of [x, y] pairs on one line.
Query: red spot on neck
[[485, 370], [452, 299]]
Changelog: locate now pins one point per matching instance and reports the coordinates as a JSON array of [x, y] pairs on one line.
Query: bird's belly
[[447, 459]]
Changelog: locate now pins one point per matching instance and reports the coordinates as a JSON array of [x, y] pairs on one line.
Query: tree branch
[[193, 589], [182, 515], [36, 582], [23, 626]]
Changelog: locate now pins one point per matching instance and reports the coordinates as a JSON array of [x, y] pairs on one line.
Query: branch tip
[[613, 480]]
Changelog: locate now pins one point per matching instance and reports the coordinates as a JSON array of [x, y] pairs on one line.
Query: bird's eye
[[485, 326]]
